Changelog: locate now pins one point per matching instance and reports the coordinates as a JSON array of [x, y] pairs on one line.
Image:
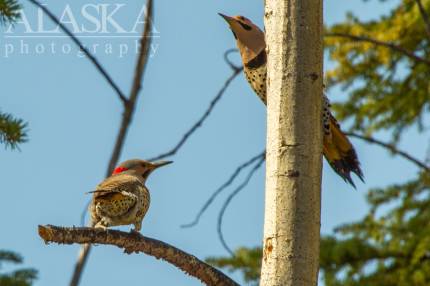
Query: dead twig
[[208, 111], [127, 116], [391, 46], [96, 63], [229, 62], [135, 243], [227, 202], [142, 59], [392, 149], [222, 188]]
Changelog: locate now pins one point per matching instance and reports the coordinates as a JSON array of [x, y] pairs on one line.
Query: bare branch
[[230, 198], [427, 159], [135, 242], [391, 148], [229, 62], [223, 187], [199, 122], [214, 101], [425, 17], [391, 46], [145, 43], [96, 63], [129, 108]]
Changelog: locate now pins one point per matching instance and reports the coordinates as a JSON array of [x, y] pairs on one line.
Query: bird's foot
[[101, 225], [135, 231], [137, 227]]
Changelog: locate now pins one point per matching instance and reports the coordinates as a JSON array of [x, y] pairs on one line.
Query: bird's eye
[[245, 26]]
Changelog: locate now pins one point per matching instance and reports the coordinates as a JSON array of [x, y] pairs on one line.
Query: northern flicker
[[337, 149], [123, 198]]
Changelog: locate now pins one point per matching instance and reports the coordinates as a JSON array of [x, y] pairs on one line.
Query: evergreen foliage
[[247, 260], [12, 131], [21, 277], [9, 11]]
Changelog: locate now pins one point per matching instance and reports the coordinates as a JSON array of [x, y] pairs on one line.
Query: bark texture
[[134, 242], [294, 142]]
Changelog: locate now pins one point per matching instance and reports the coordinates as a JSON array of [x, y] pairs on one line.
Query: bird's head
[[139, 167], [250, 39]]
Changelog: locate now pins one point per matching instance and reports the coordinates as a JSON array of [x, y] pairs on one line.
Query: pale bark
[[294, 143]]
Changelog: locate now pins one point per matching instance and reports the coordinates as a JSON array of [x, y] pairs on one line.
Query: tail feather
[[340, 153]]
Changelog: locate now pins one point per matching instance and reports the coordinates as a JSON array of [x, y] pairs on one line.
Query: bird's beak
[[161, 163], [229, 19]]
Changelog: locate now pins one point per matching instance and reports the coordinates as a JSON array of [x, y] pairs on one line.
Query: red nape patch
[[119, 170]]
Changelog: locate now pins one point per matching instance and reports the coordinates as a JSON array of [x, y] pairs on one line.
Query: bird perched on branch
[[123, 198], [250, 41]]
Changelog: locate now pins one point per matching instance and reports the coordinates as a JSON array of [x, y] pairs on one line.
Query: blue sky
[[74, 116]]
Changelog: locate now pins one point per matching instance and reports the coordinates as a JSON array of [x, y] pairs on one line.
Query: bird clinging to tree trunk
[[123, 198], [250, 41]]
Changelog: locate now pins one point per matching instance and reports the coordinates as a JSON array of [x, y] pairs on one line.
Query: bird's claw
[[134, 231]]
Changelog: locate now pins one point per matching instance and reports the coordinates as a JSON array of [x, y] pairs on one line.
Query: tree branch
[[223, 187], [425, 17], [134, 242], [229, 62], [230, 198], [198, 124], [142, 59], [391, 46], [129, 108], [392, 148], [96, 63]]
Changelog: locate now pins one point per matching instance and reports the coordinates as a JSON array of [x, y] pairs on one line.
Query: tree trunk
[[294, 143]]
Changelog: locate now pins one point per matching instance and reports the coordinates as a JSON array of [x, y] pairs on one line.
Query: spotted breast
[[255, 72]]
